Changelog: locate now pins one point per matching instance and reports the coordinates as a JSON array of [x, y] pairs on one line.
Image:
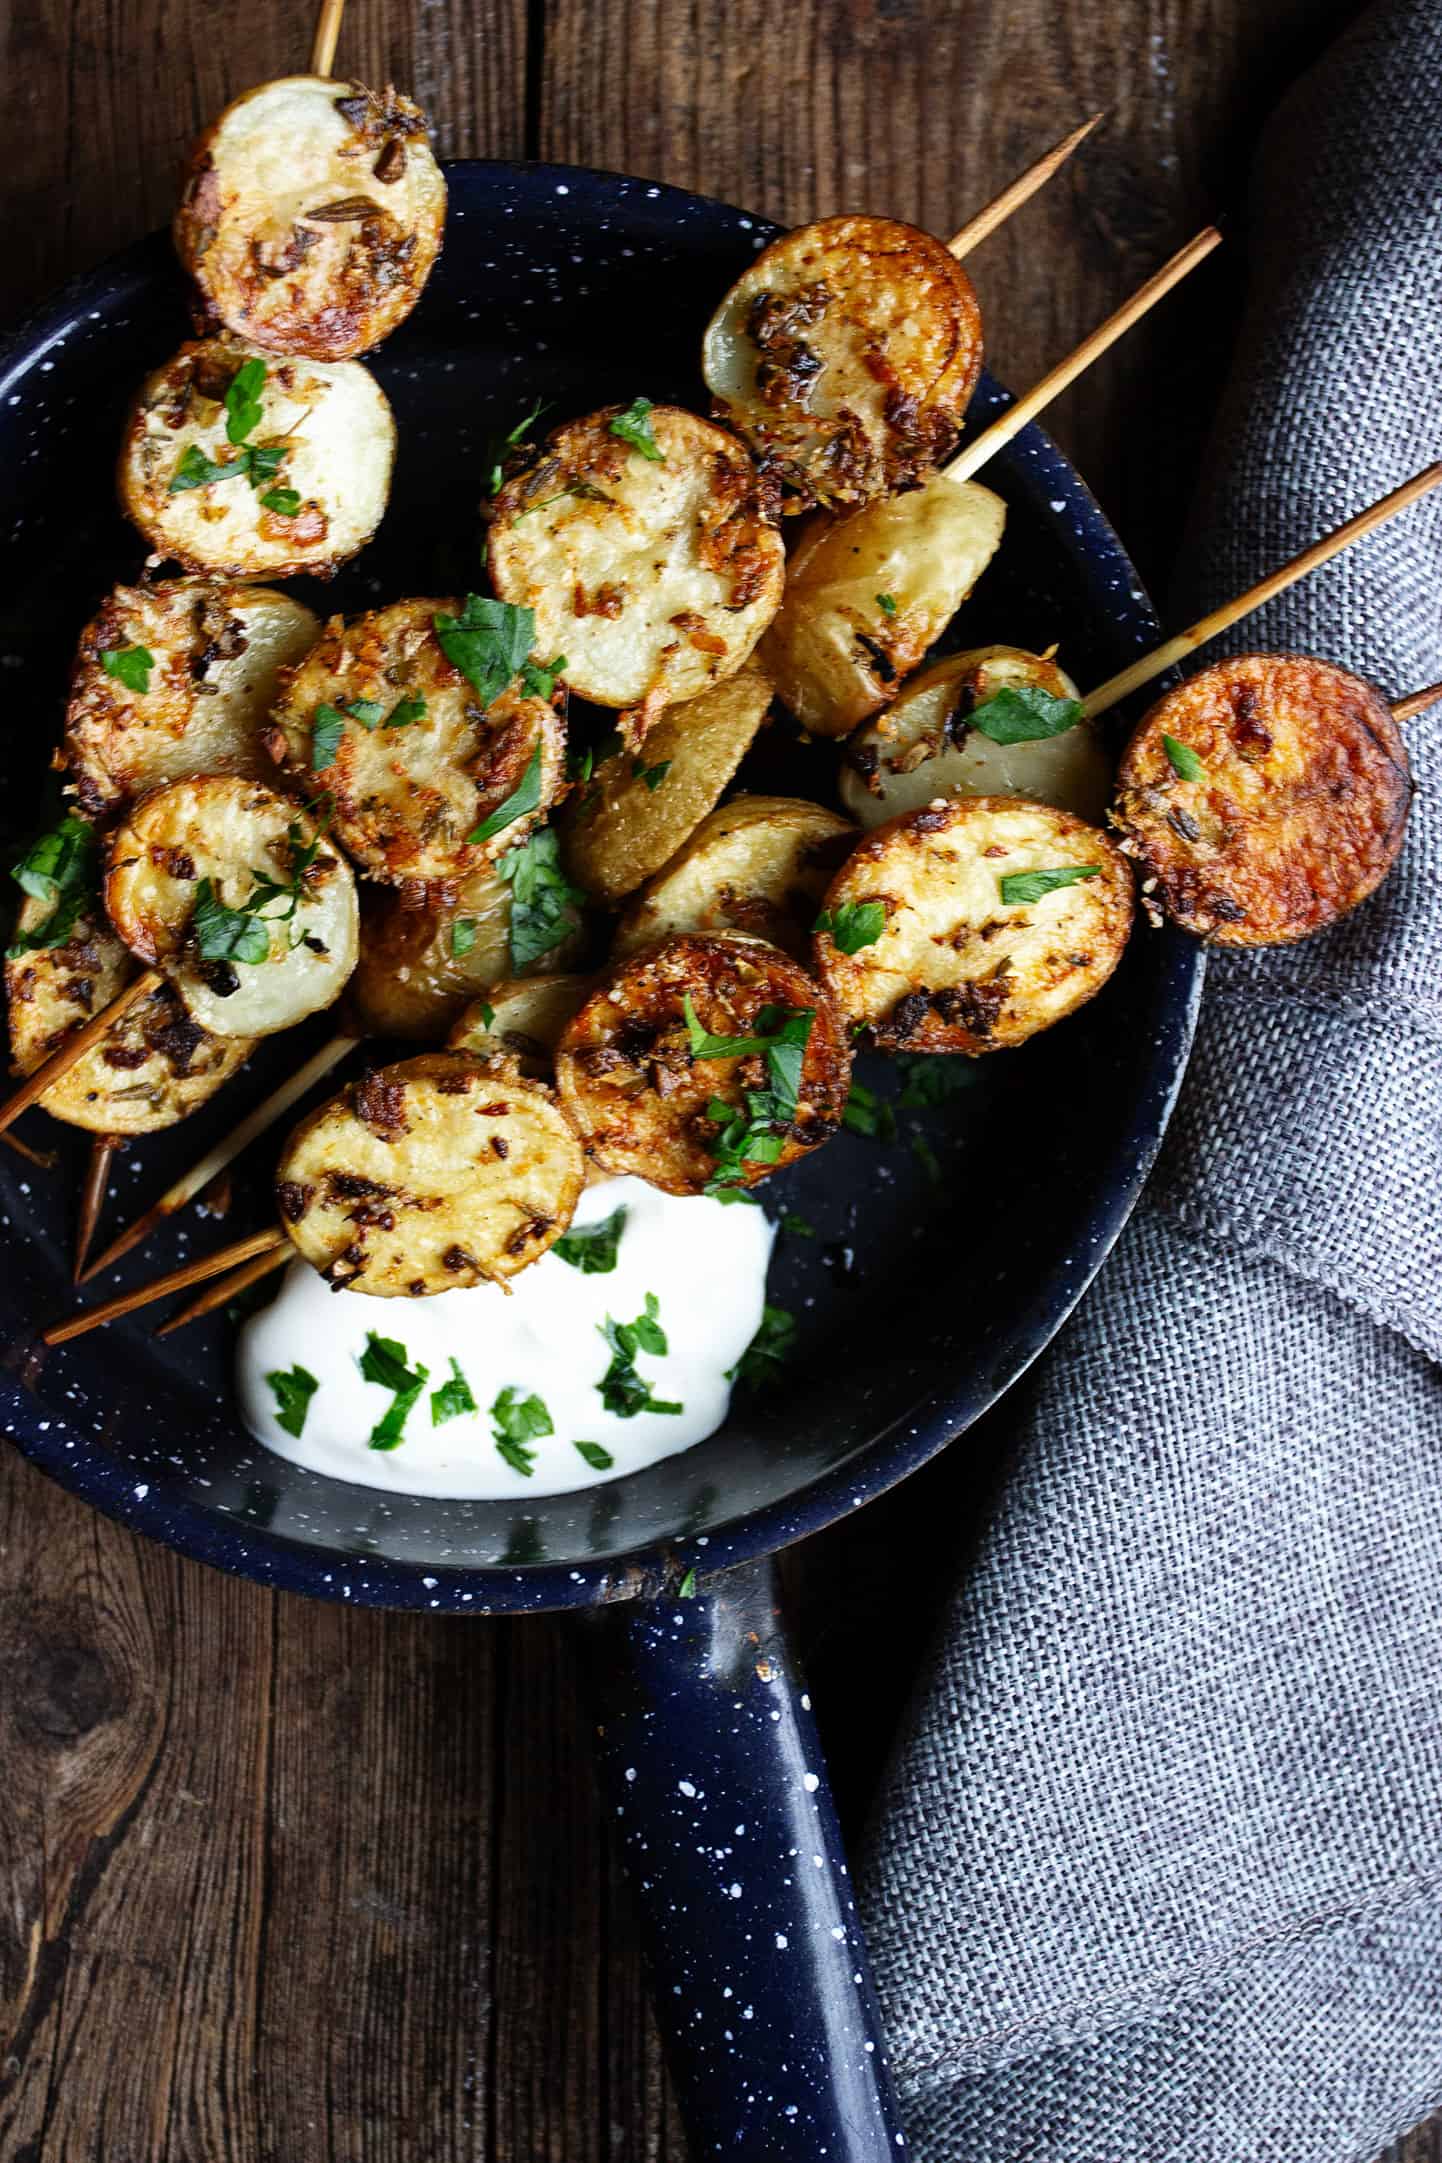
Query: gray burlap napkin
[[1159, 1865]]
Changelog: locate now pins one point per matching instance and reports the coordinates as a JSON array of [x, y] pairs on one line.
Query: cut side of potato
[[300, 489], [173, 679], [310, 216], [695, 1121], [1264, 798], [653, 574], [419, 967], [522, 1019], [846, 356], [867, 595], [1000, 917], [235, 893], [441, 1171], [643, 804], [153, 1068], [926, 744], [760, 864], [427, 782]]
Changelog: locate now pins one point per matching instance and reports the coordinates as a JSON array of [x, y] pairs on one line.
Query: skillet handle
[[714, 1779]]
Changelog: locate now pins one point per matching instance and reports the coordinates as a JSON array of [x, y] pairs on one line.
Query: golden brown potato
[[704, 1120], [1264, 798], [419, 967], [926, 745], [311, 214], [176, 678], [972, 924], [430, 775], [868, 594], [846, 356], [522, 1019], [759, 864], [442, 1171], [153, 1067], [248, 467], [236, 894], [643, 804], [653, 571]]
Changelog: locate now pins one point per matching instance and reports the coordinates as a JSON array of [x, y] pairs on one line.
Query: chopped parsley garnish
[[869, 1114], [488, 1015], [634, 427], [853, 924], [538, 681], [195, 470], [622, 1389], [226, 934], [762, 1361], [1020, 886], [591, 1248], [242, 400], [130, 665], [369, 713], [926, 1156], [686, 1590], [1183, 760], [292, 1392], [524, 798], [405, 712], [285, 502], [545, 907], [755, 1132], [600, 1460], [1023, 714], [653, 776], [384, 1363], [58, 868], [325, 735], [517, 1421], [498, 446], [463, 937], [798, 1227], [886, 602], [452, 1398], [259, 462], [489, 642], [932, 1077], [262, 461]]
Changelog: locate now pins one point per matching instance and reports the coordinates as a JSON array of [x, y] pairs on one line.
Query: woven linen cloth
[[1157, 1870]]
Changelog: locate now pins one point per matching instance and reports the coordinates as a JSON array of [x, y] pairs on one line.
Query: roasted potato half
[[1000, 917], [174, 679], [690, 1122], [1264, 798], [236, 894], [419, 967], [643, 804], [846, 356], [926, 745], [310, 215], [759, 864], [442, 1171], [522, 1019], [427, 782], [292, 478], [152, 1068], [867, 595], [654, 571]]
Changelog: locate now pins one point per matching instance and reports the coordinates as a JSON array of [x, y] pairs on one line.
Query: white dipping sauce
[[705, 1263]]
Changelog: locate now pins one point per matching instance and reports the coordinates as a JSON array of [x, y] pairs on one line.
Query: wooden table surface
[[282, 1883]]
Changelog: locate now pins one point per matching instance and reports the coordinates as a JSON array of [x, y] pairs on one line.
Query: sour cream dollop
[[702, 1263]]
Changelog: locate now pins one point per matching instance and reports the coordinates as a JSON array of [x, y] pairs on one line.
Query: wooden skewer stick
[[215, 1160], [327, 37], [217, 1295], [1009, 424], [92, 1197], [175, 1280], [44, 1160], [77, 1044], [1152, 665], [1407, 709], [1000, 208]]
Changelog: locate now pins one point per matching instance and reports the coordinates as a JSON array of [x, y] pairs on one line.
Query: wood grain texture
[[283, 1882]]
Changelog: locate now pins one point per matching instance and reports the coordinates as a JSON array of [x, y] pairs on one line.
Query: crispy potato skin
[[922, 747], [522, 1019], [268, 267], [331, 423], [218, 650], [407, 798], [835, 653], [846, 356], [1300, 811], [231, 832], [619, 829], [655, 578], [760, 864], [632, 1089], [410, 981], [956, 969], [441, 1171], [154, 1066]]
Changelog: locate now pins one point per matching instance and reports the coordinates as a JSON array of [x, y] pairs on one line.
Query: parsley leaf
[[926, 1156], [463, 937], [516, 1421], [1021, 886], [932, 1077], [798, 1227], [1182, 759], [600, 1460], [591, 1248], [488, 642], [634, 427], [452, 1398], [285, 502], [539, 682], [384, 1363], [622, 1389], [545, 907], [653, 776], [293, 1392], [761, 1362], [488, 1015], [497, 447], [755, 1132], [1023, 714], [195, 470], [242, 400], [686, 1590], [853, 924], [405, 712], [886, 602], [262, 462], [58, 868], [226, 934], [325, 735], [524, 798], [130, 665], [869, 1114]]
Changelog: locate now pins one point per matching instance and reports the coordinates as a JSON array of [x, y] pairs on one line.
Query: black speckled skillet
[[939, 1273]]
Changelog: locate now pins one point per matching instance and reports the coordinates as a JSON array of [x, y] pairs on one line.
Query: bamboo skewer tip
[[198, 1271], [1415, 702], [1021, 190]]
